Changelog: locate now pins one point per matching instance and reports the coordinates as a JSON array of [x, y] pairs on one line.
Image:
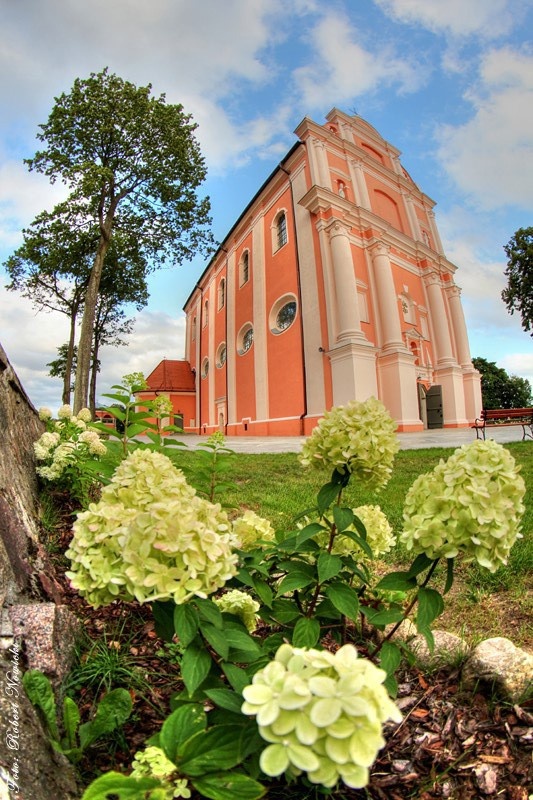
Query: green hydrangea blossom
[[249, 529], [471, 503], [358, 438], [241, 605], [379, 533], [150, 537], [153, 763], [322, 713]]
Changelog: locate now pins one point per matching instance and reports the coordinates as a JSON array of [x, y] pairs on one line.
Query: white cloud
[[31, 340], [344, 69], [488, 18], [519, 364], [490, 157]]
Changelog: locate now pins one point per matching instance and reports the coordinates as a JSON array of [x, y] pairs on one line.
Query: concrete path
[[438, 437]]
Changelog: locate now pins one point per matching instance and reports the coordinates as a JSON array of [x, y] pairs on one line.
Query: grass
[[481, 603]]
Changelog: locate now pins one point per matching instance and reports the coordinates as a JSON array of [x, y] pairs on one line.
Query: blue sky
[[448, 82]]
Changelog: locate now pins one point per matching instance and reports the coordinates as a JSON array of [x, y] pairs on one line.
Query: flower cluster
[[358, 438], [250, 529], [66, 442], [150, 537], [153, 763], [322, 713], [379, 533], [472, 503], [241, 605]]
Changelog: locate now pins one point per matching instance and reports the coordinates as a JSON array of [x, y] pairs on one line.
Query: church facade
[[332, 285]]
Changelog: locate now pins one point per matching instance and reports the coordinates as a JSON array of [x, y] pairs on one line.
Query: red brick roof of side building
[[171, 376]]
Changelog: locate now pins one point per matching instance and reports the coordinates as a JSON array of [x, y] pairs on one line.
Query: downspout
[[199, 365], [227, 349], [298, 280]]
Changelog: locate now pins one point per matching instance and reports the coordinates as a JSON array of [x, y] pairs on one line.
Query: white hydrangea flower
[[65, 412], [84, 414], [359, 438], [249, 529], [471, 503], [379, 534], [241, 605], [45, 444], [153, 763], [93, 442], [322, 714], [150, 537], [45, 413]]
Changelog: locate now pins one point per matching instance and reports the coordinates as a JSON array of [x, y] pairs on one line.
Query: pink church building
[[332, 285]]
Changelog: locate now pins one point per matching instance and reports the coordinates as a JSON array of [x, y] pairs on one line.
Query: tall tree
[[132, 164], [518, 294], [501, 390]]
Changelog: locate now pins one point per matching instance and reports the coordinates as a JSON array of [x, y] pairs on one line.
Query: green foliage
[[518, 294], [111, 713], [500, 390]]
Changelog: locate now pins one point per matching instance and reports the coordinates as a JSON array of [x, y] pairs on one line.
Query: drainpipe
[[199, 365], [298, 280]]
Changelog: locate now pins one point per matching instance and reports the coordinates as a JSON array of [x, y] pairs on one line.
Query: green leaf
[[241, 640], [295, 580], [195, 666], [450, 562], [163, 613], [40, 692], [218, 748], [112, 712], [71, 721], [135, 429], [343, 518], [185, 623], [359, 540], [119, 787], [216, 638], [430, 606], [210, 612], [306, 632], [328, 566], [397, 581], [229, 786], [225, 698], [327, 494], [377, 616], [236, 676], [390, 657], [264, 592], [420, 564], [185, 722], [344, 599]]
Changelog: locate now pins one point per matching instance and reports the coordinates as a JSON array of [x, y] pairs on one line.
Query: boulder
[[501, 664]]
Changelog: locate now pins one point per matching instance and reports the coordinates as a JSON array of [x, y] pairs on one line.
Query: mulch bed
[[450, 744]]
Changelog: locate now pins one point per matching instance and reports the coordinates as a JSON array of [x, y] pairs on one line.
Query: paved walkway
[[438, 437]]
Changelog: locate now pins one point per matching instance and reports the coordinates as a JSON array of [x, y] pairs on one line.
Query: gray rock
[[448, 650], [498, 662]]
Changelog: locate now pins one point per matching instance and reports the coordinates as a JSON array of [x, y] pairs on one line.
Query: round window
[[283, 314], [245, 339], [221, 355]]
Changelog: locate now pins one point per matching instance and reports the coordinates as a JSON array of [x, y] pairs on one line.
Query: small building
[[176, 380], [332, 285]]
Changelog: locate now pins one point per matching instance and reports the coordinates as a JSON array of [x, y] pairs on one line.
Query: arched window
[[244, 268], [193, 329], [281, 228], [206, 312], [205, 368], [221, 355], [222, 293]]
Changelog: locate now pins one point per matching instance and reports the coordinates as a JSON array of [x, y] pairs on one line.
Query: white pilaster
[[443, 344], [359, 183], [345, 284], [231, 388], [391, 331], [260, 321]]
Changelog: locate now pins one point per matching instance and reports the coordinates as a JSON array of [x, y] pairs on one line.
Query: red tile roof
[[172, 376]]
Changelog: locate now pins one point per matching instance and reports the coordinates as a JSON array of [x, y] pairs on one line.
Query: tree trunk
[[67, 380]]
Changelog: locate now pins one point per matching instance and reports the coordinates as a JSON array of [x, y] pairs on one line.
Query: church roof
[[171, 376]]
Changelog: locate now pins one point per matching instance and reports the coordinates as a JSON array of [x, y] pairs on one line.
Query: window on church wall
[[244, 268], [205, 368], [193, 329], [282, 314], [206, 313], [245, 339], [221, 355], [222, 293], [279, 231]]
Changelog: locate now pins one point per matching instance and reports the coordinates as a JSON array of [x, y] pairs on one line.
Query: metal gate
[[434, 407]]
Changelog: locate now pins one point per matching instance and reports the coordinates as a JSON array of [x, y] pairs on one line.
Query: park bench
[[498, 417]]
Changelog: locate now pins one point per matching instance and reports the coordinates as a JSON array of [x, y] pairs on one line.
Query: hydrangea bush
[[67, 451], [291, 703]]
